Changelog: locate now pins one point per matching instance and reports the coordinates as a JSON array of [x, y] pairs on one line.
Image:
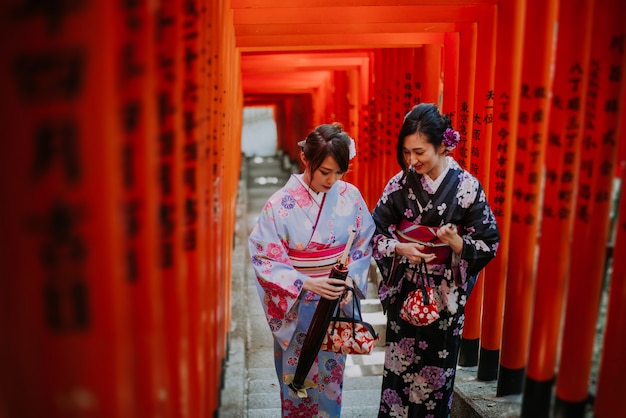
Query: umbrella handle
[[346, 251]]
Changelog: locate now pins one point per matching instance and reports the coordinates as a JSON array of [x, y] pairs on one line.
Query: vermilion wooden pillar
[[509, 48], [431, 85], [597, 170], [137, 121], [531, 140], [64, 298], [339, 99], [286, 125], [450, 76], [398, 84], [282, 138], [322, 100], [203, 325], [483, 95], [193, 168], [368, 145], [385, 138], [407, 86], [214, 179], [232, 154], [383, 119], [376, 128], [295, 122], [277, 111], [223, 163], [465, 104], [562, 158], [234, 128], [464, 124], [406, 90], [479, 164], [354, 99], [341, 108], [358, 116], [172, 260]]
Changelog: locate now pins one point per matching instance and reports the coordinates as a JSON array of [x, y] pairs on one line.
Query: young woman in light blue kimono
[[300, 234]]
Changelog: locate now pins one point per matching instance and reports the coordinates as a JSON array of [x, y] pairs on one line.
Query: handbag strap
[[424, 275], [355, 303]]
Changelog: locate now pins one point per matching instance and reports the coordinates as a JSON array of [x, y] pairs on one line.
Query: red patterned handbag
[[420, 307], [350, 335]]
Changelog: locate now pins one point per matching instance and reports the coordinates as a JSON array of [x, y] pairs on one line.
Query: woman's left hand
[[448, 234]]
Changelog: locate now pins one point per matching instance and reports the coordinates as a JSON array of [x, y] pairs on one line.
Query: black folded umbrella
[[317, 329]]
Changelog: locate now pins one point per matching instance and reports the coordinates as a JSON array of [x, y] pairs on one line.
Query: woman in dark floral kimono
[[431, 200]]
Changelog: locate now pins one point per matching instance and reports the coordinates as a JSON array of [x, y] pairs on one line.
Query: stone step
[[361, 411], [365, 371], [379, 321], [370, 305], [360, 396]]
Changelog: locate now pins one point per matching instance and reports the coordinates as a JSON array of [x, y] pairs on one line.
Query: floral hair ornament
[[451, 139], [351, 149]]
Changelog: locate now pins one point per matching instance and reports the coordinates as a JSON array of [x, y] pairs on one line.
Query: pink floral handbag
[[350, 335], [420, 307]]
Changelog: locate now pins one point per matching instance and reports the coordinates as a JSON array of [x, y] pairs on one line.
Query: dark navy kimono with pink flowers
[[420, 361]]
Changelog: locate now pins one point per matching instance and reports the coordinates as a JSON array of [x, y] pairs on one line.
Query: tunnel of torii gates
[[120, 154]]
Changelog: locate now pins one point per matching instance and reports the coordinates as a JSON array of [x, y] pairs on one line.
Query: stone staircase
[[249, 388]]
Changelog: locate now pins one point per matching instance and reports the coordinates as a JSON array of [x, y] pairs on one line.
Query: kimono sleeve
[[279, 284], [386, 216], [361, 251], [481, 236]]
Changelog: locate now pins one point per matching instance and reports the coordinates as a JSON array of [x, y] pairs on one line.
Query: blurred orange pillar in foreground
[[66, 342], [137, 121]]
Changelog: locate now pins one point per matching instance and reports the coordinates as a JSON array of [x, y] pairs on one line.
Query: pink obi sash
[[314, 262], [426, 236]]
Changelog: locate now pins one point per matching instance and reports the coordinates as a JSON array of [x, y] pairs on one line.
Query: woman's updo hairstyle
[[325, 140], [426, 119]]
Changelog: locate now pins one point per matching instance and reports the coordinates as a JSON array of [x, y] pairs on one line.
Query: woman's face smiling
[[325, 176], [423, 156]]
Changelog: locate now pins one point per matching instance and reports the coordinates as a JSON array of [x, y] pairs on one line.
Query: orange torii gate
[[122, 161]]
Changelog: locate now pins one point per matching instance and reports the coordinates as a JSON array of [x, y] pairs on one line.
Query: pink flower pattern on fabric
[[277, 253]]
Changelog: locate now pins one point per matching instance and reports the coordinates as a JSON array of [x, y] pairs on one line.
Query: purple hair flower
[[451, 139]]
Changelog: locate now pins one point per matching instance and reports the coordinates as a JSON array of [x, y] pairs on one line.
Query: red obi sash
[[316, 262], [426, 236]]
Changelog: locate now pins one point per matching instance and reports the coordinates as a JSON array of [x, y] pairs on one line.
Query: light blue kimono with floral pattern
[[293, 226]]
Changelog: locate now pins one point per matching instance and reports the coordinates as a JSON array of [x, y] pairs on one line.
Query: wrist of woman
[[457, 245], [306, 285], [398, 249]]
